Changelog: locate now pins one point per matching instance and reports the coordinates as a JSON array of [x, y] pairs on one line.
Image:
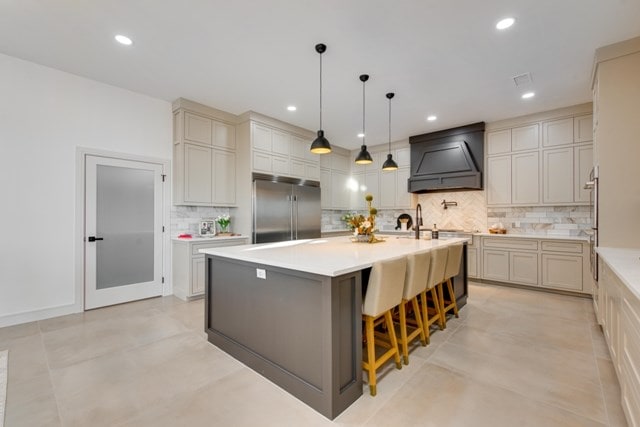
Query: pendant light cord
[[364, 135], [389, 125], [321, 91]]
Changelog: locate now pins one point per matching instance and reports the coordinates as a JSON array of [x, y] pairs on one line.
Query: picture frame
[[207, 227]]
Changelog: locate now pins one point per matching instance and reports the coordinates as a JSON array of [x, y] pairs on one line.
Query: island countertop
[[332, 256]]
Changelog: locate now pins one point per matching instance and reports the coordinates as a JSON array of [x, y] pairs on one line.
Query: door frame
[[79, 256]]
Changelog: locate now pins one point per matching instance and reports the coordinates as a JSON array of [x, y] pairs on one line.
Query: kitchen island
[[292, 311]]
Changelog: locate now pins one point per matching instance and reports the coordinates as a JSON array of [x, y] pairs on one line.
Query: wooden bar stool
[[437, 267], [452, 270], [414, 284], [384, 292]]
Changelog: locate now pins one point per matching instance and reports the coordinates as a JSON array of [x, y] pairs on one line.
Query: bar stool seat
[[414, 284], [431, 315], [453, 268], [384, 292]]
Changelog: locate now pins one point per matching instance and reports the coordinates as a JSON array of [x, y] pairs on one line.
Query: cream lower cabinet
[[547, 263], [472, 258], [188, 268]]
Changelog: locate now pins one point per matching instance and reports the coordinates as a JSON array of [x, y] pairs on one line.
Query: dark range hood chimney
[[447, 160]]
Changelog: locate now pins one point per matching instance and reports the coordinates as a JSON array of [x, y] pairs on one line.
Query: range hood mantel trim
[[447, 160]]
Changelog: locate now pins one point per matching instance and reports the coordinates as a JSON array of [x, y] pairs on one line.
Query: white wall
[[44, 115]]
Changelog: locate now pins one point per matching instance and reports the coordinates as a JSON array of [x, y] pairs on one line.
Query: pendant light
[[389, 164], [364, 158], [320, 145]]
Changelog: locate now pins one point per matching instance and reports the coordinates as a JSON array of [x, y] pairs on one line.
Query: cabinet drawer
[[195, 247], [562, 271], [572, 247], [508, 243]]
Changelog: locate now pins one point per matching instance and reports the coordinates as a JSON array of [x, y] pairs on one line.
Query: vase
[[363, 238]]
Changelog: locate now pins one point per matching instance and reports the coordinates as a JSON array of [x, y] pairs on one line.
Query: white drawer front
[[509, 243], [572, 247]]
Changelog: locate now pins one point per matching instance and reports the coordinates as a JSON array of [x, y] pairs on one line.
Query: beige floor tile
[[611, 392], [31, 403], [10, 333], [555, 388], [242, 399], [27, 358], [436, 396]]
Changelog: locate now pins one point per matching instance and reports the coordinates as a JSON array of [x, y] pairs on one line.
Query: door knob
[[94, 238]]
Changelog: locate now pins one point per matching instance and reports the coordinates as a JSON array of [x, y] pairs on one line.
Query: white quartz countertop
[[625, 263], [331, 256], [196, 239], [534, 236]]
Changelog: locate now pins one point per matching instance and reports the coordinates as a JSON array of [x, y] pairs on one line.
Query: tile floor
[[514, 358]]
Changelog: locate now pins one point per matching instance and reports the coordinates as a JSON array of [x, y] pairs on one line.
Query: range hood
[[447, 160]]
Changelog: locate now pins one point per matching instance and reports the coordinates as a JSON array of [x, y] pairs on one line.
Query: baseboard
[[532, 288], [33, 316]]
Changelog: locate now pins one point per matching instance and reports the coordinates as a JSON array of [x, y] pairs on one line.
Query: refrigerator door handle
[[294, 216]]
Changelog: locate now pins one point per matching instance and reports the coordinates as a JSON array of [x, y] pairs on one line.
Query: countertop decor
[[223, 222], [364, 227]]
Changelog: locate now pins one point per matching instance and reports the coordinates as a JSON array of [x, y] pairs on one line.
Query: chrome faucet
[[418, 220]]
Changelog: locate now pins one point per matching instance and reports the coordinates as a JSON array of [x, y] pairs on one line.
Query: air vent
[[522, 79]]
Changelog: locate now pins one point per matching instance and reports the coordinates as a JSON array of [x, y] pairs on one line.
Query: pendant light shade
[[389, 164], [364, 158], [320, 145]]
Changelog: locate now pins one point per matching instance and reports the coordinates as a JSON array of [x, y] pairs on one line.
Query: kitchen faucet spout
[[418, 220]]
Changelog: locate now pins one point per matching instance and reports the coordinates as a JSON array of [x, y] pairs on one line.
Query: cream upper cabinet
[[499, 180], [583, 128], [325, 189], [388, 189], [558, 176], [204, 162], [224, 178], [261, 137], [339, 190], [198, 174], [280, 166], [499, 142], [300, 148], [280, 143], [557, 132], [525, 138], [525, 181], [403, 197], [224, 136], [197, 128], [367, 183], [402, 157]]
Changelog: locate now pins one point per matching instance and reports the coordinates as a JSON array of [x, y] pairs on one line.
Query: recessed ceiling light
[[361, 135], [528, 95], [432, 118], [291, 108], [123, 40], [505, 23]]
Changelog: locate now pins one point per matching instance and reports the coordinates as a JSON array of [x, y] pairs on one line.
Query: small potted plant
[[223, 222]]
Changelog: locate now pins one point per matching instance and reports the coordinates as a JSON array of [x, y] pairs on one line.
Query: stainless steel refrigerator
[[285, 209]]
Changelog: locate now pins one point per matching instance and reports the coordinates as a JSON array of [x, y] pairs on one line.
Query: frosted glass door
[[123, 239]]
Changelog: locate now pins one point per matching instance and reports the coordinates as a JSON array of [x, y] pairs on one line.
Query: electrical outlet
[[261, 273]]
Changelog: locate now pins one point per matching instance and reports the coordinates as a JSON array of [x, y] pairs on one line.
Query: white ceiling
[[439, 57]]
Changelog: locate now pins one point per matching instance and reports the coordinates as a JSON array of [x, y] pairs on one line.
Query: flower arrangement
[[364, 226], [223, 222]]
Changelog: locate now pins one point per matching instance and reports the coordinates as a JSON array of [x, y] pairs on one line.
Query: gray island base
[[292, 312]]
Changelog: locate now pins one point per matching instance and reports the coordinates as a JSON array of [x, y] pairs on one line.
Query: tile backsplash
[[469, 214], [186, 219], [551, 220]]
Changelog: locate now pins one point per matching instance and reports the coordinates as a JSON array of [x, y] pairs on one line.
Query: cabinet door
[[403, 197], [197, 275], [583, 162], [224, 178], [499, 180], [525, 181], [262, 162], [224, 135], [261, 137], [280, 142], [339, 162], [297, 168], [387, 189], [557, 132], [312, 171], [499, 142], [472, 262], [298, 147], [325, 189], [562, 271], [523, 267], [280, 165], [197, 128], [197, 174], [583, 128], [495, 265], [369, 184], [403, 157], [339, 190], [558, 176], [525, 138]]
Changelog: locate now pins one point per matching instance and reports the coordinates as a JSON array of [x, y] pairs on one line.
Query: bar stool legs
[[405, 338], [372, 364]]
